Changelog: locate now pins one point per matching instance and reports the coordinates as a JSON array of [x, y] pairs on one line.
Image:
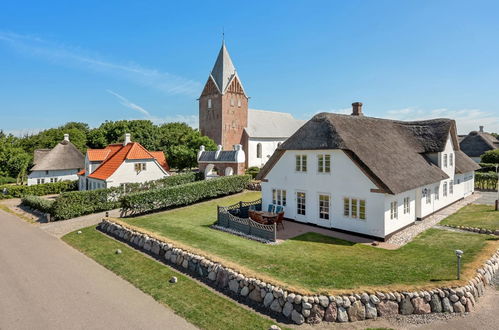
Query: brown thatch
[[464, 164], [392, 153], [476, 143], [64, 156]]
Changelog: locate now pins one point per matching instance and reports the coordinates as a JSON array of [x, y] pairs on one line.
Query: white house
[[367, 175], [61, 163], [119, 164]]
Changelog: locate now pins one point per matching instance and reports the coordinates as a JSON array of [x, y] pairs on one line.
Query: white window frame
[[394, 210], [445, 160], [451, 159], [324, 210], [259, 150], [324, 163], [346, 206], [445, 189], [301, 163], [407, 205], [451, 187], [209, 104], [279, 197], [303, 205], [362, 214], [437, 193]]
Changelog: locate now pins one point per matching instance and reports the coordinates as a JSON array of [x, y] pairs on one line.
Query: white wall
[[268, 148], [345, 180], [61, 175], [126, 173], [403, 219]]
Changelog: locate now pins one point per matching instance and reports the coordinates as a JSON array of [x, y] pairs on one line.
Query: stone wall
[[280, 303], [475, 230]]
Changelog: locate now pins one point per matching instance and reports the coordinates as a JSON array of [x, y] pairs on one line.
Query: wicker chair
[[279, 219]]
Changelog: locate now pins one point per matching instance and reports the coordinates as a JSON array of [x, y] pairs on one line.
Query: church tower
[[223, 104]]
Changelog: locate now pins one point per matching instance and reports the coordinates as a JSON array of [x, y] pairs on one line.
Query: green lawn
[[192, 301], [475, 215], [312, 262]]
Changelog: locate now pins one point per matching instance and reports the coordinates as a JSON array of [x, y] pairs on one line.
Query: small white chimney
[[481, 129], [200, 152], [66, 137], [217, 153], [128, 139]]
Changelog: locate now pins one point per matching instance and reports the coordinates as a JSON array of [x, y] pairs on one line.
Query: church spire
[[224, 69]]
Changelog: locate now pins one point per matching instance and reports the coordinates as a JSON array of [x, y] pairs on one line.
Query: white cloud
[[466, 119], [76, 57]]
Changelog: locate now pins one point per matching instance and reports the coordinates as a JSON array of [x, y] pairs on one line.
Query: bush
[[491, 156], [38, 203], [182, 195], [486, 181], [39, 189], [253, 171], [6, 179], [78, 203]]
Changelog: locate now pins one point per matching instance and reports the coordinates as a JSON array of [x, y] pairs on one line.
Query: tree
[[491, 157]]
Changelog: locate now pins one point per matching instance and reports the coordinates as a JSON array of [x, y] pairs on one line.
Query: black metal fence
[[236, 217]]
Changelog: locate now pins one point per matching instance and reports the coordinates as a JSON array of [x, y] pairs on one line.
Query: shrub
[[40, 189], [38, 203], [182, 195], [491, 156], [486, 181], [6, 179], [253, 171], [487, 167], [78, 203]]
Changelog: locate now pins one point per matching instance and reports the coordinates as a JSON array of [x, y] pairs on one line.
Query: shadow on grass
[[318, 238]]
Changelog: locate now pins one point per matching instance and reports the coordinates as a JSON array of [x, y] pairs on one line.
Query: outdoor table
[[271, 216]]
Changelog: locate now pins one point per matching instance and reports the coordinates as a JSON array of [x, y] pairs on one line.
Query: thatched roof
[[476, 143], [64, 156], [392, 153], [463, 163]]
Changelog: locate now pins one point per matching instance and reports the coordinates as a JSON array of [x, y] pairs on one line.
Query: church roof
[[223, 71], [271, 124]]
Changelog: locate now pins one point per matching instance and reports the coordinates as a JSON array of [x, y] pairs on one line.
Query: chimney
[[357, 109], [217, 153], [481, 129], [66, 137], [128, 139]]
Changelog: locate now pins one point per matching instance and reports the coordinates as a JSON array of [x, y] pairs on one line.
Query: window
[[324, 163], [407, 205], [346, 206], [394, 210], [46, 172], [279, 197], [354, 208], [239, 102], [209, 103], [140, 167], [428, 196], [451, 159], [300, 203], [445, 189], [437, 193], [301, 163], [362, 209], [259, 150], [232, 102], [451, 187], [40, 181], [324, 207], [52, 180], [445, 160]]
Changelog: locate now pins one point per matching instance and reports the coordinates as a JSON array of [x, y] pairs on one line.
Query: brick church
[[224, 115]]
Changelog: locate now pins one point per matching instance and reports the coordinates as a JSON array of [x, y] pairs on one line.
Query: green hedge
[[253, 171], [74, 204], [38, 203], [6, 179], [39, 189], [486, 181], [487, 167], [137, 203]]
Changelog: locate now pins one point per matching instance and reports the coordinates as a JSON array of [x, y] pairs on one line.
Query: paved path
[[46, 284], [486, 197]]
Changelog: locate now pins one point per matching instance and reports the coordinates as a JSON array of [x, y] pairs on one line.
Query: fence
[[236, 217]]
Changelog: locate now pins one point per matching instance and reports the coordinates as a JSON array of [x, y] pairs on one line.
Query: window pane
[[327, 163], [300, 203], [304, 163], [320, 163], [284, 198], [346, 207], [354, 208], [297, 163], [274, 196]]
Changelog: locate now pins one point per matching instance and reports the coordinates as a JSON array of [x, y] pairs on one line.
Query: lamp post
[[497, 199], [459, 253]]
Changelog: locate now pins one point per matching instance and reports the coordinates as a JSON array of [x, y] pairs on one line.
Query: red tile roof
[[82, 172], [119, 153], [160, 157]]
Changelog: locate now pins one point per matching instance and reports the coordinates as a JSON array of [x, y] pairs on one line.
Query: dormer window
[[445, 160], [209, 103], [451, 159]]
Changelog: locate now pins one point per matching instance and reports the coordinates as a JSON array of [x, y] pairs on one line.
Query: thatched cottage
[[476, 143], [367, 175]]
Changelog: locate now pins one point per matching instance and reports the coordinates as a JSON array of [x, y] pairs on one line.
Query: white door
[[301, 206], [323, 218]]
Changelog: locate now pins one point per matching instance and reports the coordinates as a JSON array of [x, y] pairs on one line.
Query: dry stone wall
[[475, 229], [313, 309]]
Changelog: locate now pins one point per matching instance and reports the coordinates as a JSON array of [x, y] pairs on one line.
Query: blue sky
[[111, 60]]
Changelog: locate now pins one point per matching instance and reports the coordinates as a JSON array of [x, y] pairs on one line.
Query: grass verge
[[312, 263], [475, 215], [194, 302]]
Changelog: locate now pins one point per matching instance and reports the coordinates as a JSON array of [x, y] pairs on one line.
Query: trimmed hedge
[[6, 179], [253, 171], [39, 189], [187, 194], [487, 167], [38, 203], [486, 181], [74, 204]]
